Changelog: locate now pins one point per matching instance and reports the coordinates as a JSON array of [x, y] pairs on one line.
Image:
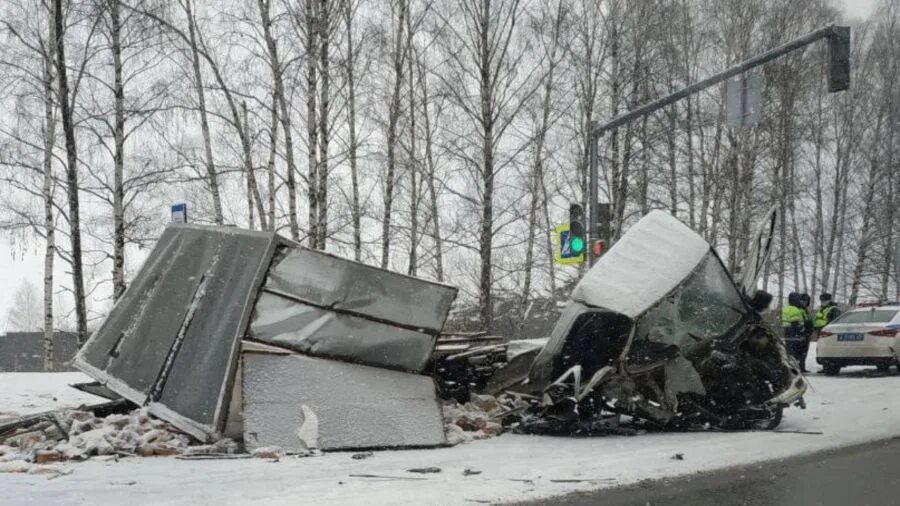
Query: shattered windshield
[[703, 307]]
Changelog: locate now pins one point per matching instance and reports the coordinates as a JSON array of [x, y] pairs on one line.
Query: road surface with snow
[[853, 408], [864, 474]]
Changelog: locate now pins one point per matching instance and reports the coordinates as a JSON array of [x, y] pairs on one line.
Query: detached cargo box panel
[[299, 402], [172, 340], [343, 285], [327, 306], [315, 331]]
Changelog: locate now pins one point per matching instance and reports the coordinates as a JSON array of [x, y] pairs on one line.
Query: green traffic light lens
[[577, 244]]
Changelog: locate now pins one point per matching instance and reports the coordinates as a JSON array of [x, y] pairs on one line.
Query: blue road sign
[[564, 253], [179, 213]]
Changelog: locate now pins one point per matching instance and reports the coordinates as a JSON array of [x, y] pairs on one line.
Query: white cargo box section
[[648, 262], [298, 402]]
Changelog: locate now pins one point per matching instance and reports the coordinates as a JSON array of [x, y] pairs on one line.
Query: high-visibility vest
[[822, 316], [792, 314]]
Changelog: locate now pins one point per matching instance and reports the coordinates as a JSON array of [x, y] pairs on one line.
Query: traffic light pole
[[839, 79], [593, 228]]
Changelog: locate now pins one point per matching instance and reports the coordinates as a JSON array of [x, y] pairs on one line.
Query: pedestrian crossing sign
[[563, 253]]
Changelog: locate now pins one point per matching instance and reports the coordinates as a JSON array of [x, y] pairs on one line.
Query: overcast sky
[[19, 265], [856, 8]]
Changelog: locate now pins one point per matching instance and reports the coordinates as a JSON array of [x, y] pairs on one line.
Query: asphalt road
[[859, 475]]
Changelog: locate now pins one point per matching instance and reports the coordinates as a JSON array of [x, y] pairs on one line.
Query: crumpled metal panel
[[650, 260], [172, 339], [298, 403], [343, 285], [315, 331]]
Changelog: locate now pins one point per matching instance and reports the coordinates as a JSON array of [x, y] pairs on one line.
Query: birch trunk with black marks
[[211, 173], [270, 165], [434, 211], [312, 137], [537, 186], [118, 153], [283, 112], [393, 113], [49, 224], [413, 159], [350, 62], [71, 175], [248, 173], [325, 20]]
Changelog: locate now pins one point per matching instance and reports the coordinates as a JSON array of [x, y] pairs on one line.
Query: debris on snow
[[386, 477], [268, 452], [224, 446], [29, 468], [476, 419], [363, 455], [133, 433], [424, 470], [79, 435]]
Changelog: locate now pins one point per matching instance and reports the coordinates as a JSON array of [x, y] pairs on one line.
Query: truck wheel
[[884, 368]]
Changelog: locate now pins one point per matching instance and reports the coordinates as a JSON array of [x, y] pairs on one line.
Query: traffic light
[[576, 228], [839, 59]]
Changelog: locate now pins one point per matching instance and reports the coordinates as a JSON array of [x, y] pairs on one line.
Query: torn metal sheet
[[300, 403], [98, 389], [326, 306], [171, 341], [343, 285], [320, 332]]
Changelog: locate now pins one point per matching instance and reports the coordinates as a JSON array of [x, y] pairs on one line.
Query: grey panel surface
[[194, 386], [133, 342], [319, 332], [334, 282], [298, 402], [178, 324]]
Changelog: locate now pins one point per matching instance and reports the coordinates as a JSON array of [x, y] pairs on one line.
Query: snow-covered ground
[[852, 408], [23, 393]]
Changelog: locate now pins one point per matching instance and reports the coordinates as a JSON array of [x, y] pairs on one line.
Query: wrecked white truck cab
[[659, 330]]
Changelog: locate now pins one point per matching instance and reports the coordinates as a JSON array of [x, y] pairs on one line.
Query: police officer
[[827, 312], [795, 322]]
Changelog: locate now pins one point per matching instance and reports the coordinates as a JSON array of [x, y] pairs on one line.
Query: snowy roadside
[[848, 409], [25, 393]]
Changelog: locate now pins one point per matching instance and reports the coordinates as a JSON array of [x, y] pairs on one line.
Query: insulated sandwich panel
[[299, 402], [132, 344], [201, 368], [172, 339], [323, 333], [347, 286]]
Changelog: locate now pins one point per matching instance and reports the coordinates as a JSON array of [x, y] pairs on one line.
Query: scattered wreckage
[[227, 334], [247, 335], [658, 330]]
